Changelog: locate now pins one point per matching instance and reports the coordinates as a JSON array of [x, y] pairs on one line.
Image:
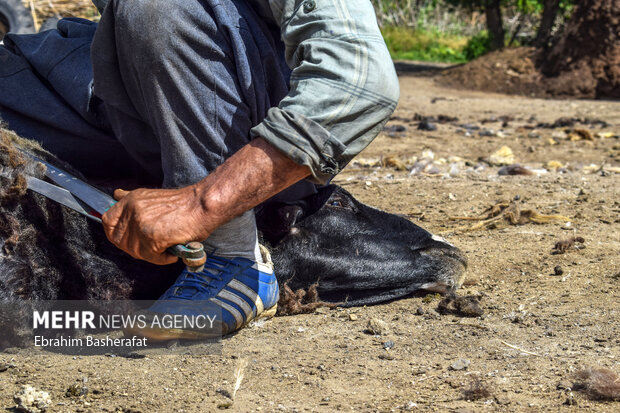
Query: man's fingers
[[167, 259], [120, 194]]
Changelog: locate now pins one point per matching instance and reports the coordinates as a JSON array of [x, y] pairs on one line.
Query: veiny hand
[[145, 222]]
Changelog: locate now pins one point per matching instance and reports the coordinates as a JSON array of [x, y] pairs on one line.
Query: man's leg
[[45, 95], [183, 83]]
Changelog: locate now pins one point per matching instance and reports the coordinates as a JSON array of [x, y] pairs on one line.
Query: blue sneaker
[[235, 291]]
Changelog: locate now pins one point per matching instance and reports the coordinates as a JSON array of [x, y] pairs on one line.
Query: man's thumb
[[120, 194]]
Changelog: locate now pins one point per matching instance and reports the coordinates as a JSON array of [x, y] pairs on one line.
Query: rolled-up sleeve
[[343, 85]]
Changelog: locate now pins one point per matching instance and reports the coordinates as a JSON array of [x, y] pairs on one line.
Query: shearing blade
[[60, 195], [192, 253], [91, 196]]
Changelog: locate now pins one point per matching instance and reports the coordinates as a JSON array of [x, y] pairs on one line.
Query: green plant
[[426, 45], [477, 45]]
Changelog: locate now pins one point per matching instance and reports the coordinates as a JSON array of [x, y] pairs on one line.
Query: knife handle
[[193, 255]]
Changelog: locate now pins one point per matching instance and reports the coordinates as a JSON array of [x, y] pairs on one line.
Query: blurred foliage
[[455, 30], [426, 45], [477, 45]]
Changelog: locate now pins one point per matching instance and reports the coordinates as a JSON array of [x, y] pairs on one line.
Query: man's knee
[[151, 24]]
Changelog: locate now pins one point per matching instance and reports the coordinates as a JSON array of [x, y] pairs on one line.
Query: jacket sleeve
[[343, 85]]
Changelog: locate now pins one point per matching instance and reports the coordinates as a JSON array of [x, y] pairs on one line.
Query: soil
[[584, 62], [546, 315], [511, 71]]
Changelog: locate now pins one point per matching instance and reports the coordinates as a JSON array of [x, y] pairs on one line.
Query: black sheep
[[330, 243]]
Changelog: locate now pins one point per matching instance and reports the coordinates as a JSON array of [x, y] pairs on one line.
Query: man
[[224, 104]]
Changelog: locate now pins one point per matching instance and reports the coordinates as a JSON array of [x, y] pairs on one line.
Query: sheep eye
[[336, 203]]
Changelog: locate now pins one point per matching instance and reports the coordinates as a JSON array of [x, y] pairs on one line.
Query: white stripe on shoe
[[239, 301], [232, 310], [248, 292]]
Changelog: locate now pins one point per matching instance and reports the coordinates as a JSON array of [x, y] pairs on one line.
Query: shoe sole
[[166, 334]]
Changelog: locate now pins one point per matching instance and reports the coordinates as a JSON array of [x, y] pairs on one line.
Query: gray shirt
[[343, 85]]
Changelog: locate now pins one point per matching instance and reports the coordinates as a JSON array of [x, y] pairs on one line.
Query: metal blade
[[91, 196], [59, 195]]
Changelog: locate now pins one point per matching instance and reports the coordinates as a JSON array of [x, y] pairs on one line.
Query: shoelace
[[189, 284]]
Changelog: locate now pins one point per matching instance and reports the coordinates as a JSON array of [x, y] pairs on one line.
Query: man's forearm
[[147, 221], [252, 175]]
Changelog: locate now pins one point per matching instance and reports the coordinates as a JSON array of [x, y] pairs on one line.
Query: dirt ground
[[538, 328]]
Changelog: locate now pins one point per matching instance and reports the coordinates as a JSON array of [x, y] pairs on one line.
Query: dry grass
[[44, 9]]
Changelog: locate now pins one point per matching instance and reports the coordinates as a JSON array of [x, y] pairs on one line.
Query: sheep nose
[[291, 214]]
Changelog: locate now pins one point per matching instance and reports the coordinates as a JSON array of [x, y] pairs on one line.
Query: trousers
[[159, 91]]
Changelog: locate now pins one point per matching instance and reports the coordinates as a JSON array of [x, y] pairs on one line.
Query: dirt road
[[546, 316]]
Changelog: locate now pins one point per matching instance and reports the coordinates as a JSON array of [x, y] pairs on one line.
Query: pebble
[[570, 400], [395, 128], [76, 390], [420, 311], [558, 270], [427, 126], [377, 327], [410, 406], [388, 345], [30, 400], [487, 132], [469, 126], [353, 317], [460, 364], [565, 385]]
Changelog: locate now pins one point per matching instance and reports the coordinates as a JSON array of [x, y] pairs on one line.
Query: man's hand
[[147, 221]]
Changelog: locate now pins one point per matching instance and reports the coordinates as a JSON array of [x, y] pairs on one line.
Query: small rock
[[30, 400], [410, 406], [426, 125], [469, 126], [388, 345], [570, 400], [460, 364], [353, 317], [503, 156], [224, 393], [558, 270], [487, 133], [377, 327], [565, 385], [554, 165], [420, 311], [395, 128], [76, 390], [514, 169]]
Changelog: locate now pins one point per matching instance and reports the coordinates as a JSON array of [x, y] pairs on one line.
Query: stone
[[377, 327], [30, 400], [460, 364]]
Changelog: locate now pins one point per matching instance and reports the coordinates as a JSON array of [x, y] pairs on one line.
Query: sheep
[[334, 248]]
